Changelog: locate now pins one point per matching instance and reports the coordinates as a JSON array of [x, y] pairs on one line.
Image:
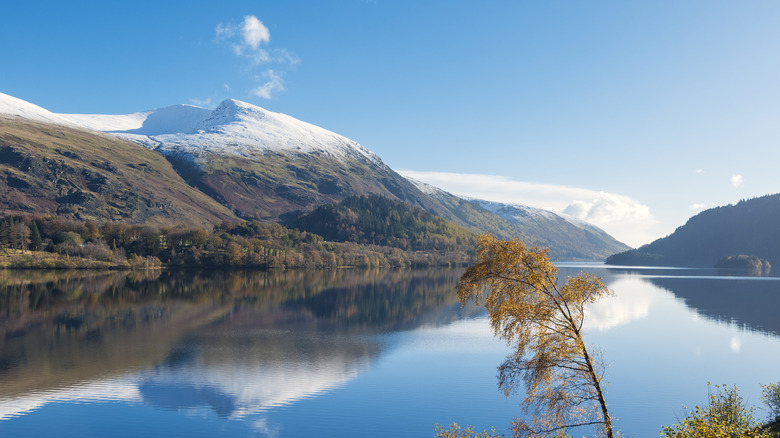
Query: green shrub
[[725, 415], [771, 396], [455, 431]]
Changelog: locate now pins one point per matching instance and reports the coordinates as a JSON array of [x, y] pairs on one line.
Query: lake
[[347, 353]]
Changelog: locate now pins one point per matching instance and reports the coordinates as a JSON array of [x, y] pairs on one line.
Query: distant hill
[[566, 237], [748, 228]]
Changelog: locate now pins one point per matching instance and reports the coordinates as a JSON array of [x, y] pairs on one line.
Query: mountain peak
[[234, 128], [237, 106], [231, 111]]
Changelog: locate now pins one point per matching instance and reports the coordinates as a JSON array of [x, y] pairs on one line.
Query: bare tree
[[543, 322]]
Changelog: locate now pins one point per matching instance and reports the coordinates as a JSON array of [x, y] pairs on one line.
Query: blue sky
[[632, 115]]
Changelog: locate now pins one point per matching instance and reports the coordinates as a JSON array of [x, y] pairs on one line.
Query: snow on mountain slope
[[425, 187], [238, 128], [568, 238], [511, 212], [17, 107], [234, 128], [521, 213], [168, 120]]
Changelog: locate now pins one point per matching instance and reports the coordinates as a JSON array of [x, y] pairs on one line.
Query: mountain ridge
[[234, 127], [261, 165], [567, 238]]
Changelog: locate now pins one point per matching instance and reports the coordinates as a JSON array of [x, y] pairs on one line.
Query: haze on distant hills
[[236, 161]]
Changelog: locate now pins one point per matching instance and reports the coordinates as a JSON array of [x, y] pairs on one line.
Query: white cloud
[[624, 218], [249, 40], [699, 171], [697, 206], [736, 180], [246, 38], [255, 32], [607, 207], [273, 83], [286, 57], [225, 31]]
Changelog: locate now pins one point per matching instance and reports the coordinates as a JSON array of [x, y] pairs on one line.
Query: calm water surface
[[346, 353]]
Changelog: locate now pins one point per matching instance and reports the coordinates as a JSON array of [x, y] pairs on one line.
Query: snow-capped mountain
[[256, 163], [234, 128], [259, 163], [51, 165]]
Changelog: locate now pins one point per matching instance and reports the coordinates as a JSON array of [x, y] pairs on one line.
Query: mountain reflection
[[747, 302], [750, 303], [235, 372], [232, 343]]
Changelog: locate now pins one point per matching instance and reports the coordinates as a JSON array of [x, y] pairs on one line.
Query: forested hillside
[[36, 241], [747, 228], [377, 220]]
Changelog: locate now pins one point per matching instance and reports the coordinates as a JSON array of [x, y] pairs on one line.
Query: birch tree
[[543, 321]]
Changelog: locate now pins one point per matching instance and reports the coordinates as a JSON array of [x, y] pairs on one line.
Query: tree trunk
[[596, 384]]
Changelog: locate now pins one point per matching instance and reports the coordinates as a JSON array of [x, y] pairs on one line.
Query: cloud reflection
[[630, 303], [735, 344]]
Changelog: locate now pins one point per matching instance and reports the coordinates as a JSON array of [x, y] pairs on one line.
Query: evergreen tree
[[36, 243]]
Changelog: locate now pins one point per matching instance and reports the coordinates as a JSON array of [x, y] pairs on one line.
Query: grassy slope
[[267, 186], [88, 176]]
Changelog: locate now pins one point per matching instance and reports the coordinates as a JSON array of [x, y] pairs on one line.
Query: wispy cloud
[[697, 206], [736, 180], [201, 102], [250, 39], [246, 38], [273, 83], [626, 219]]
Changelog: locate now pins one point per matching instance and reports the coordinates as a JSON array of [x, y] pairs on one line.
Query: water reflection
[[303, 353], [748, 302], [232, 343], [236, 370], [745, 301], [631, 303]]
